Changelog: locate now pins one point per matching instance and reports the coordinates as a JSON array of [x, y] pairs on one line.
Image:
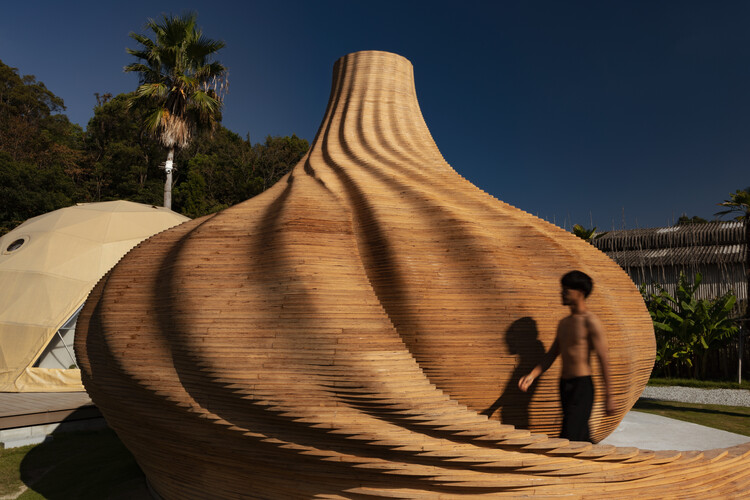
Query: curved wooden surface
[[346, 333]]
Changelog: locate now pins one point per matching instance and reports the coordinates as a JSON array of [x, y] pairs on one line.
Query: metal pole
[[739, 364], [70, 353], [741, 333]]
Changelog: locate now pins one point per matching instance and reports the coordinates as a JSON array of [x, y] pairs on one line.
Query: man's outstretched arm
[[599, 342], [525, 382]]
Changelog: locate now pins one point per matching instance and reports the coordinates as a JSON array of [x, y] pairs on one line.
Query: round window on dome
[[16, 245]]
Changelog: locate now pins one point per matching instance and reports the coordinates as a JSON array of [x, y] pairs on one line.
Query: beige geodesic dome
[[48, 265]]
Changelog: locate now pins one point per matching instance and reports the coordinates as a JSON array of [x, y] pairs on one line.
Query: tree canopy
[[40, 150], [586, 234], [684, 219], [738, 205], [48, 163]]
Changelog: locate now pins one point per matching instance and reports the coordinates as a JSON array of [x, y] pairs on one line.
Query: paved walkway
[[653, 432]]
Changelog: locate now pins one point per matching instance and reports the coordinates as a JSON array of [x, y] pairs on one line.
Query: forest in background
[[47, 162]]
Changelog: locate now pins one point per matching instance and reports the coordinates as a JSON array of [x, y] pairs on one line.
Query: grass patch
[[701, 384], [727, 418], [86, 465], [10, 467]]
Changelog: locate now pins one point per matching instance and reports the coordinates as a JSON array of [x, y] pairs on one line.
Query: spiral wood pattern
[[340, 335]]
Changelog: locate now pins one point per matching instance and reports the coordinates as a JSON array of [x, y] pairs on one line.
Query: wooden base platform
[[28, 418], [19, 409]]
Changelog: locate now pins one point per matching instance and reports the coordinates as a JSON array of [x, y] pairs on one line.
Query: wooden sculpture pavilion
[[347, 333]]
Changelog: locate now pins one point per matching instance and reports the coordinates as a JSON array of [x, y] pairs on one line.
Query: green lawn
[[85, 465], [727, 418]]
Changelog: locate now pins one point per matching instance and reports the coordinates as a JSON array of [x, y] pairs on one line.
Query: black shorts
[[577, 398]]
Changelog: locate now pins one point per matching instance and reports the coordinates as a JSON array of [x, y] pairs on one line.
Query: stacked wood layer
[[347, 333]]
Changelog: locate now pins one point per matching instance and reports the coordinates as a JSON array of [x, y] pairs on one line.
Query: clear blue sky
[[562, 108]]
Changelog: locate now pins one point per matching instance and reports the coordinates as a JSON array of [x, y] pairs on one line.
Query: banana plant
[[687, 329]]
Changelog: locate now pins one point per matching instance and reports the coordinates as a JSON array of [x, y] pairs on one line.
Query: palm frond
[[150, 90], [209, 71], [738, 203], [152, 121], [205, 102], [186, 81], [139, 67], [143, 40], [203, 47]]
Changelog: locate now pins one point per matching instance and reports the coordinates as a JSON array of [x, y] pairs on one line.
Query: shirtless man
[[577, 335]]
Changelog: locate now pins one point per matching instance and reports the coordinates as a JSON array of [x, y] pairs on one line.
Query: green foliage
[[180, 86], [50, 163], [32, 130], [194, 195], [687, 328], [684, 219], [27, 97], [41, 159], [276, 154], [217, 170], [586, 234], [123, 159], [27, 190], [224, 170], [738, 205]]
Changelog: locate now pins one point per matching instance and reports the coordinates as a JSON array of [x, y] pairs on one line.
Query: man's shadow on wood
[[522, 339]]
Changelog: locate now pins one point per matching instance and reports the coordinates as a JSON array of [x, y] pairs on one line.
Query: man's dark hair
[[577, 280]]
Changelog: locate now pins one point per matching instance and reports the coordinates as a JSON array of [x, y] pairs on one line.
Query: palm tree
[[179, 86], [738, 205]]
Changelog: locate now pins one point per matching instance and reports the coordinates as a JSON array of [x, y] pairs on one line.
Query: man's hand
[[525, 382], [610, 405]]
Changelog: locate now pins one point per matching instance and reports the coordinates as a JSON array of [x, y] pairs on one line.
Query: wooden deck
[[38, 408]]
